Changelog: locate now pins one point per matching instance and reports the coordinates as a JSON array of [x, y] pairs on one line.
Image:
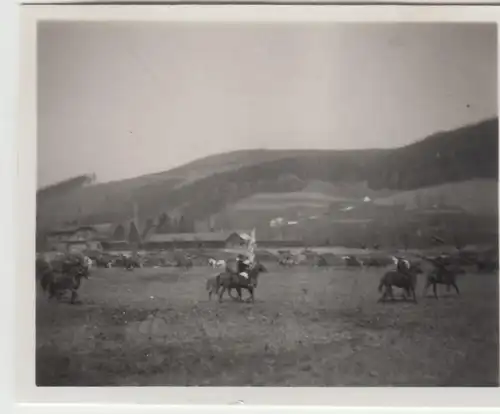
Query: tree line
[[165, 224]]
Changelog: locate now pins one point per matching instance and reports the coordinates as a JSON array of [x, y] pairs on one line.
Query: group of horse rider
[[403, 266]]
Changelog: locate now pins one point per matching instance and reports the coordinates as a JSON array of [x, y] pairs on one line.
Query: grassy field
[[308, 327]]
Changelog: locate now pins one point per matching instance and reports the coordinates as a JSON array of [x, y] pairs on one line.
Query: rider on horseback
[[402, 266], [243, 265], [440, 264]]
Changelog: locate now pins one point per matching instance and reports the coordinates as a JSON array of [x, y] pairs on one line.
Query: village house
[[215, 240], [96, 237], [72, 239]]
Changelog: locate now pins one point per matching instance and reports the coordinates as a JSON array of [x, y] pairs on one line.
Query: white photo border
[[28, 397]]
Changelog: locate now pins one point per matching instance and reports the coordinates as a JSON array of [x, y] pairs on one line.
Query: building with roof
[[93, 237], [215, 240]]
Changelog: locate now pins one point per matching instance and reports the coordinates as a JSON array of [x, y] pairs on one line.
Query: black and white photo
[[273, 204]]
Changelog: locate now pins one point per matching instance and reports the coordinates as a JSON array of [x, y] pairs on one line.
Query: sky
[[127, 99]]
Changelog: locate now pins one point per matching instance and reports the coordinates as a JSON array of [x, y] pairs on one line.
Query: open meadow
[[307, 327]]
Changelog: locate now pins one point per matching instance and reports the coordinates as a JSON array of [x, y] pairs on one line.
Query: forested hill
[[206, 186], [66, 186]]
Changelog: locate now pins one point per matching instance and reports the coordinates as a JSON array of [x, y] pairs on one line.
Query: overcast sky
[[126, 99]]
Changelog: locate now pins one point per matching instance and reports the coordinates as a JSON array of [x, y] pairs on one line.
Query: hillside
[[64, 187], [475, 196], [246, 180]]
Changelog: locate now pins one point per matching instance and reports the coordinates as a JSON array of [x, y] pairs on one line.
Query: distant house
[[71, 234], [216, 240], [72, 239], [77, 246], [93, 237]]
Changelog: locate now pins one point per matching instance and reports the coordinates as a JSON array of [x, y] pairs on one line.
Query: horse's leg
[[54, 293], [229, 292], [252, 297], [384, 294], [414, 294], [240, 295], [434, 288], [74, 296], [391, 292], [426, 288], [454, 284], [221, 293]]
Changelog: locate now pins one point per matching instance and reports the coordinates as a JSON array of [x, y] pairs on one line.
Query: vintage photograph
[[266, 204]]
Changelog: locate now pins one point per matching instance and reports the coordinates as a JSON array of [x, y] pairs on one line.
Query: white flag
[[251, 246]]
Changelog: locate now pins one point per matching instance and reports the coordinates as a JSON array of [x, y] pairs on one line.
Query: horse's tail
[[46, 280], [213, 282], [382, 283]]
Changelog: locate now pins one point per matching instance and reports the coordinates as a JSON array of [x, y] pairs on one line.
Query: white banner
[[252, 244]]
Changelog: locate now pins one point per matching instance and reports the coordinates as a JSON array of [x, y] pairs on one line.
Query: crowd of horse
[[66, 271], [405, 280]]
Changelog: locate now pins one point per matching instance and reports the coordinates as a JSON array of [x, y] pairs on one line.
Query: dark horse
[[442, 276], [130, 263], [406, 281], [67, 278], [231, 280]]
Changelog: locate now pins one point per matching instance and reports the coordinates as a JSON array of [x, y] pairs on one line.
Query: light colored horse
[[217, 264], [404, 262], [88, 262]]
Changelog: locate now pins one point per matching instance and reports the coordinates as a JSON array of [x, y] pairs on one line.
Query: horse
[[395, 278], [42, 268], [88, 262], [103, 262], [487, 265], [352, 261], [287, 261], [186, 264], [129, 263], [213, 285], [442, 276], [217, 263], [230, 280], [67, 277]]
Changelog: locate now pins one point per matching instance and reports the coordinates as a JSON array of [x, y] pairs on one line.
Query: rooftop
[[200, 237]]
